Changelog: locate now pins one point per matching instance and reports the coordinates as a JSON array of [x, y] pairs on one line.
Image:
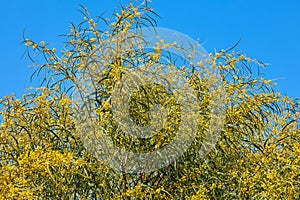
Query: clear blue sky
[[270, 32]]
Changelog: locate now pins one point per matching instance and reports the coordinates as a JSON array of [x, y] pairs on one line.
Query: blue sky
[[270, 32]]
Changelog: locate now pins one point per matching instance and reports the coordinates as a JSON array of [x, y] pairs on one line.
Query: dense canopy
[[43, 155]]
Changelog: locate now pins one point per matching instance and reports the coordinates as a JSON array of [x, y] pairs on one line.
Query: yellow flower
[[34, 46]]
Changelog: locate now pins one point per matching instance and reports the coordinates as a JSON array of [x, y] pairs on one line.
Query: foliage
[[42, 155]]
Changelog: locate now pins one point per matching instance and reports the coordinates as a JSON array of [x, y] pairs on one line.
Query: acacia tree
[[43, 154]]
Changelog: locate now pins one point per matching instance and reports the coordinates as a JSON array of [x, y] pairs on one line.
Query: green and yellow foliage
[[42, 155]]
